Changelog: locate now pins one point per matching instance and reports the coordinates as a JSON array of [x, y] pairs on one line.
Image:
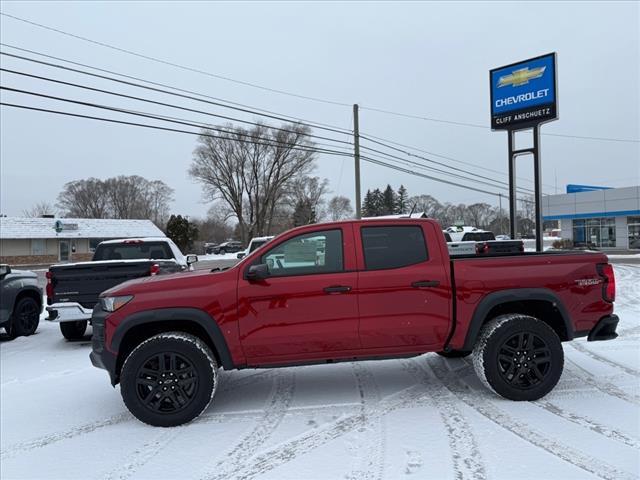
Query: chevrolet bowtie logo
[[520, 77]]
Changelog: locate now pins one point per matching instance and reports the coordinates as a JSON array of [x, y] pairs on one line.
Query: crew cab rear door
[[404, 293], [307, 306]]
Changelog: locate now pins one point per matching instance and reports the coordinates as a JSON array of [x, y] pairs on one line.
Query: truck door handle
[[337, 289], [425, 283]]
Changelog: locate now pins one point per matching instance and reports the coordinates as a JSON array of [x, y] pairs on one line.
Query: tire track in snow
[[628, 370], [588, 423], [525, 432], [302, 444], [49, 439], [277, 406], [604, 387], [465, 454], [369, 464]]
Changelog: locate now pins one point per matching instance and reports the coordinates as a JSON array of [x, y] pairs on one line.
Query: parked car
[[73, 288], [254, 244], [209, 247], [345, 291], [20, 301], [227, 247]]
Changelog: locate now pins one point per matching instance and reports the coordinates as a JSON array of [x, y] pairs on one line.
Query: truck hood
[[170, 282]]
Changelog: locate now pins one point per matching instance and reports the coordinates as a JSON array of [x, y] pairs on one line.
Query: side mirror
[[257, 272], [4, 269], [240, 255], [191, 259]]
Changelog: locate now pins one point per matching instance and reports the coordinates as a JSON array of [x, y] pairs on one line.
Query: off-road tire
[[24, 319], [454, 354], [518, 357], [73, 330], [162, 396]]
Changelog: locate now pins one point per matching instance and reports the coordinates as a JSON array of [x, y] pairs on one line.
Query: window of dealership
[[600, 217]]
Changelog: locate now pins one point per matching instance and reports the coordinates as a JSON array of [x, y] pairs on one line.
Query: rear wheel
[[73, 330], [169, 379], [519, 357], [25, 318]]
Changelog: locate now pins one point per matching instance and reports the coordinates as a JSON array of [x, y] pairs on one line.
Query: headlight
[[111, 304]]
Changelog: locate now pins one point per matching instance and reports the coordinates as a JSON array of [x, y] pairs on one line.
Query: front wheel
[[169, 379], [73, 330], [518, 357]]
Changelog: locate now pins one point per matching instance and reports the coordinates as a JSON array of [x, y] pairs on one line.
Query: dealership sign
[[524, 94]]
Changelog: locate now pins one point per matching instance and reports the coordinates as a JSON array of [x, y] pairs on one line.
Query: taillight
[[482, 248], [154, 270], [609, 286], [49, 288]]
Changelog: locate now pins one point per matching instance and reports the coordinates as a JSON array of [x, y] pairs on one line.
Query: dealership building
[[606, 218], [35, 241]]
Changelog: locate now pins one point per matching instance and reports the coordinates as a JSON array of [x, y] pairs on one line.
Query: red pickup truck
[[345, 291]]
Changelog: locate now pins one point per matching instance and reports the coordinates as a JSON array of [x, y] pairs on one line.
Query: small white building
[[35, 241], [607, 218]]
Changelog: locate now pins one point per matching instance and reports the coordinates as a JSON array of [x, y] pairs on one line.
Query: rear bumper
[[605, 329], [100, 356], [67, 312]]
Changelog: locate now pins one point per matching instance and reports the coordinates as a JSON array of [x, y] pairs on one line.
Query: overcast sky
[[425, 59]]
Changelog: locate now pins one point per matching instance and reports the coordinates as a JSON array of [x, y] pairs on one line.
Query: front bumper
[[605, 329], [68, 312], [100, 356]]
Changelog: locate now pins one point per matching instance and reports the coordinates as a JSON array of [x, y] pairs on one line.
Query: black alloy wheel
[[166, 383], [524, 360], [25, 318]]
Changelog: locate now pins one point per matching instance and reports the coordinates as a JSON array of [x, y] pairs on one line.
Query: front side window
[[393, 247], [316, 252]]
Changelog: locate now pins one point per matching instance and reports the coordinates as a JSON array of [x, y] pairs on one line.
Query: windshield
[[133, 251], [257, 243]]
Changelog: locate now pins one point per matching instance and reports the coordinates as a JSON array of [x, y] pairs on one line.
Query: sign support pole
[[537, 178], [513, 204]]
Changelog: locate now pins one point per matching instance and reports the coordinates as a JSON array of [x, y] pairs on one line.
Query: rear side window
[[393, 247], [133, 251], [478, 237]]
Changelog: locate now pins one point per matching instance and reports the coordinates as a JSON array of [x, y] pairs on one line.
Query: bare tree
[[339, 207], [84, 199], [40, 209], [250, 170], [117, 197], [310, 191]]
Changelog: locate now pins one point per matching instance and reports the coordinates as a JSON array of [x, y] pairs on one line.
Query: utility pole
[[356, 156], [500, 200]]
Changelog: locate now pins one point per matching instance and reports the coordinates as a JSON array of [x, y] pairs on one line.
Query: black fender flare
[[514, 295], [31, 289], [160, 315]]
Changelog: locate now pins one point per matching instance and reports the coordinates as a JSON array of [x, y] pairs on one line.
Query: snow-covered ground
[[424, 417]]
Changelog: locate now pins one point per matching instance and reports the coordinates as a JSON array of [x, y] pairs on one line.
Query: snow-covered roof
[[23, 227]]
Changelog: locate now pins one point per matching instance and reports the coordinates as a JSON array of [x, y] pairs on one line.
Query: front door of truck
[[307, 306], [404, 294]]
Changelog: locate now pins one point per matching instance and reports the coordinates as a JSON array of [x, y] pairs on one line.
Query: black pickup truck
[[73, 288]]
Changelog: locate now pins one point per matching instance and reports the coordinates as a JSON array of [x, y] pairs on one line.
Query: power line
[[370, 138], [175, 130], [142, 99], [200, 125], [439, 163], [189, 97], [166, 119], [172, 64], [178, 89], [291, 94]]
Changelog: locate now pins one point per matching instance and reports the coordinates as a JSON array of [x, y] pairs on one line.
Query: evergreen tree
[[368, 207], [402, 201], [377, 203], [389, 201], [182, 232]]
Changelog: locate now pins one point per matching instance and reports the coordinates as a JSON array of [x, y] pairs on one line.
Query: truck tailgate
[[83, 283]]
